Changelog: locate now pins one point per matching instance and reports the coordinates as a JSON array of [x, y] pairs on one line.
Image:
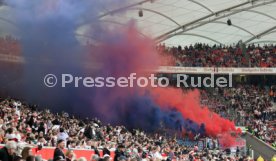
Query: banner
[[215, 70]]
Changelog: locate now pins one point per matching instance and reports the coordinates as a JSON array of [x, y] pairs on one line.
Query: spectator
[[10, 134], [8, 152], [106, 157], [122, 158], [30, 158], [58, 153], [70, 156], [95, 157], [156, 153], [136, 144], [27, 151], [119, 152], [203, 55], [62, 135]]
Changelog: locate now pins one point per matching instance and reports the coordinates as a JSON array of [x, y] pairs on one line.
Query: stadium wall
[[260, 148]]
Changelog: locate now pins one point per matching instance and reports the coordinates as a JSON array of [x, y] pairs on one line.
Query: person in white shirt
[[156, 153], [10, 134], [17, 135], [62, 135]]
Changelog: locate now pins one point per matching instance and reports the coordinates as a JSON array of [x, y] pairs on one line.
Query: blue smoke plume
[[47, 31]]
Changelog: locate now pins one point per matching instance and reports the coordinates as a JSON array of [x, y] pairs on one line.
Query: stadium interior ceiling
[[185, 22], [207, 21]]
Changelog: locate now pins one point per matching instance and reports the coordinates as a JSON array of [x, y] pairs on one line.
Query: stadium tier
[[139, 80]]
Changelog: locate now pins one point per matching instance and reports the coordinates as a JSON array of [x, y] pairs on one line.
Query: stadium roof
[[184, 22]]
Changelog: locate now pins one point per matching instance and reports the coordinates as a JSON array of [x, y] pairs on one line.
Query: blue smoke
[[47, 32]]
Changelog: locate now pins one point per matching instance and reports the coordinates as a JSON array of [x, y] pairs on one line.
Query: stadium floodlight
[[229, 22], [140, 13]]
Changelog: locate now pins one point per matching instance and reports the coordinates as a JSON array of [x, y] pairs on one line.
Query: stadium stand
[[203, 55], [248, 106], [10, 46], [29, 127], [55, 36]]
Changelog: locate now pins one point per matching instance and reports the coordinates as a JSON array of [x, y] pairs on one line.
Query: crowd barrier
[[48, 152]]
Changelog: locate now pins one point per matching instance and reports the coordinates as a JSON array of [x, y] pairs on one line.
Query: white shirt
[[10, 136], [62, 136], [18, 137], [157, 155]]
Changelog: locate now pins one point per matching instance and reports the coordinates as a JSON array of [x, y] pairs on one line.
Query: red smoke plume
[[126, 52], [189, 106]]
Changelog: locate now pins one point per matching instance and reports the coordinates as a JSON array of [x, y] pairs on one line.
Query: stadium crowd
[[199, 55], [248, 106], [22, 125], [203, 55], [10, 46]]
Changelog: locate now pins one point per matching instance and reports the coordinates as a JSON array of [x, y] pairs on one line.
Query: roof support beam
[[270, 33], [261, 13], [202, 5], [200, 19], [107, 21], [260, 34], [123, 8], [121, 24], [7, 21], [167, 35], [158, 13], [236, 26]]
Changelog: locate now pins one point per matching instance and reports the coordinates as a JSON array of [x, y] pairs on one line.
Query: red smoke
[[231, 139], [127, 52], [124, 51], [188, 104]]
